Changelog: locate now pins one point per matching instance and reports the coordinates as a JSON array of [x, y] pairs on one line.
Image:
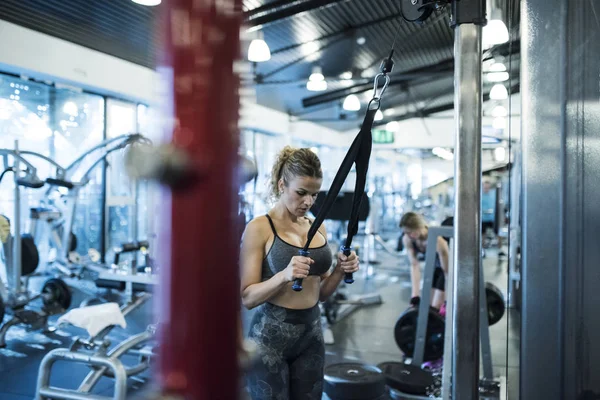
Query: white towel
[[95, 318]]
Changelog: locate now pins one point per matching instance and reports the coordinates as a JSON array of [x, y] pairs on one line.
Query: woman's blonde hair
[[292, 163], [412, 221]]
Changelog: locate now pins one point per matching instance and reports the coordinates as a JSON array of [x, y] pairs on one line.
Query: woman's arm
[[443, 253], [254, 292], [415, 267], [331, 279]]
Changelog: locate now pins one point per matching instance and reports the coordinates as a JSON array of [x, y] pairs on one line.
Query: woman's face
[[300, 194], [415, 234]]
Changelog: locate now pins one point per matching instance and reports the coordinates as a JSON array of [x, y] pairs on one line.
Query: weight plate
[[406, 329], [2, 310], [495, 303], [30, 258], [407, 378], [354, 381], [414, 11], [56, 295]]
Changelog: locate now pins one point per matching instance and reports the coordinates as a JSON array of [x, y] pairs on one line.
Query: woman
[[415, 242], [287, 324]]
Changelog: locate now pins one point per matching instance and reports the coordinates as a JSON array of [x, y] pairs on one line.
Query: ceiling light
[[499, 111], [498, 92], [310, 48], [393, 126], [499, 123], [495, 32], [378, 115], [361, 40], [317, 74], [346, 75], [259, 51], [351, 103], [497, 67], [316, 86], [497, 76], [390, 111], [147, 2], [499, 154]]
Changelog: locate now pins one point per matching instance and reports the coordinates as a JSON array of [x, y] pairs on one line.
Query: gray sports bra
[[281, 253]]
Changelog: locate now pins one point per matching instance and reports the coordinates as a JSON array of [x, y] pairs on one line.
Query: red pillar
[[199, 300]]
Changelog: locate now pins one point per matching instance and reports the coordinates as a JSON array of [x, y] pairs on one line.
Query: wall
[[43, 57]]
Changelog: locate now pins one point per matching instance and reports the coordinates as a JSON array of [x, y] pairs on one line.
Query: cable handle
[[348, 276], [297, 286]]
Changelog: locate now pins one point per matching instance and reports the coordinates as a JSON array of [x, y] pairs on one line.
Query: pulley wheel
[[405, 333], [495, 303], [56, 295], [354, 381], [415, 11], [407, 378]]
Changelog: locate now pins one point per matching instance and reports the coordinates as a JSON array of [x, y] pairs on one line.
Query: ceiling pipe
[[440, 70], [282, 9], [516, 88]]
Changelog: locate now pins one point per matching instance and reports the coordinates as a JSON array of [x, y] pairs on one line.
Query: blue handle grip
[[348, 277], [297, 286]]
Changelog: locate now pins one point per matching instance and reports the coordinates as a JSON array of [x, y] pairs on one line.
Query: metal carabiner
[[376, 86]]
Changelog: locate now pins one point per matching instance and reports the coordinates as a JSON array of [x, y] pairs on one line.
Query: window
[[79, 126], [121, 192]]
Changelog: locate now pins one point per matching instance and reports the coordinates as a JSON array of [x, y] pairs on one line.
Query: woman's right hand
[[297, 268]]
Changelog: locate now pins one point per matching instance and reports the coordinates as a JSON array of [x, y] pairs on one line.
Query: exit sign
[[381, 136]]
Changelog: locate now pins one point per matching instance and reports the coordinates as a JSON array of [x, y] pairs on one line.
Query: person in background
[[488, 214], [415, 242], [286, 327]]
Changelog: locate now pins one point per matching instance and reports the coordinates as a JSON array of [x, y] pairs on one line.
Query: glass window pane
[[120, 191], [79, 125]]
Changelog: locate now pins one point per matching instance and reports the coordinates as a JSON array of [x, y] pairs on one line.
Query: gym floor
[[366, 335]]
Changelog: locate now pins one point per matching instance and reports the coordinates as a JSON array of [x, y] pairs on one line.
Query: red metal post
[[199, 301]]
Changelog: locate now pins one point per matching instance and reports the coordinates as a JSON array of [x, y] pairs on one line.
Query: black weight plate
[[59, 294], [354, 381], [414, 11], [30, 258], [2, 310], [495, 303], [406, 378], [72, 242], [406, 329]]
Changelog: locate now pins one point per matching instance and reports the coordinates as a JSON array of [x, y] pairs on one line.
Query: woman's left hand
[[347, 264]]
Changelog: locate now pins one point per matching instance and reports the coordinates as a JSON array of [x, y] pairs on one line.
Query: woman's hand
[[297, 268], [347, 264]]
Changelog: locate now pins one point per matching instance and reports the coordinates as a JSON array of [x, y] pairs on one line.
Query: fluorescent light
[[390, 111], [378, 115], [259, 51], [500, 154], [361, 40], [497, 67], [310, 48], [346, 75], [495, 32], [393, 126], [499, 123], [499, 111], [147, 2], [443, 153], [497, 76], [316, 86], [498, 92], [351, 103]]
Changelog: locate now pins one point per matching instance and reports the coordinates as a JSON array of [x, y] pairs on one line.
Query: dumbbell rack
[[490, 388]]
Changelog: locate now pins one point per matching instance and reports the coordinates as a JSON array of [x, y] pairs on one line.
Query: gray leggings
[[291, 354]]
